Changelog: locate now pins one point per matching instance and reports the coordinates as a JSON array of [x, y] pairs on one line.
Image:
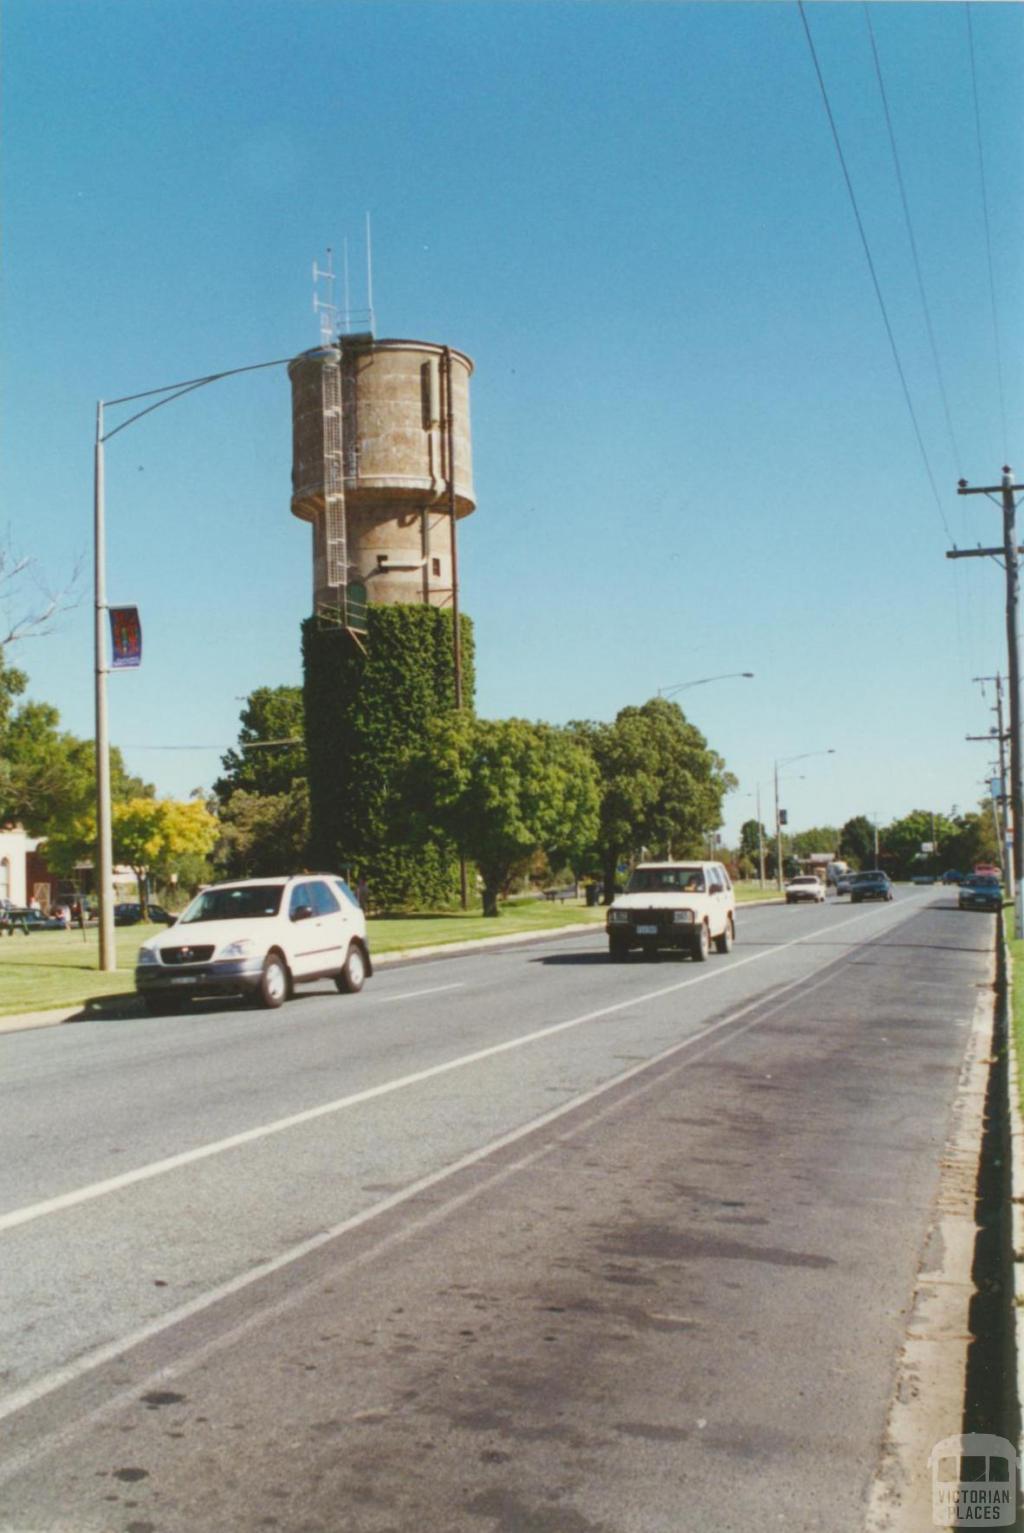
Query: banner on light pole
[[125, 638]]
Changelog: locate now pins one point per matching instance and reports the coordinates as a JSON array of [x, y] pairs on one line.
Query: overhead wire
[[988, 232], [908, 220], [925, 306], [874, 275]]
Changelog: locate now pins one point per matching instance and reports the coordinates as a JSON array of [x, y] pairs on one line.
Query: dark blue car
[[981, 891]]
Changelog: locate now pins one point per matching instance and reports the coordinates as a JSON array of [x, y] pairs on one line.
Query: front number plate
[[647, 931]]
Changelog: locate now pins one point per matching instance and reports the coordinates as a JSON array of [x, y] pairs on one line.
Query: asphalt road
[[520, 1241]]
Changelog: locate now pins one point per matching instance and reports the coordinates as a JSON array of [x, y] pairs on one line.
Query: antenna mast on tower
[[325, 307]]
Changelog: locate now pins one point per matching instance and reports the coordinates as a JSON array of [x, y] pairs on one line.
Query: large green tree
[[502, 789], [900, 844], [661, 785], [857, 842], [820, 838], [263, 834], [48, 778], [271, 752]]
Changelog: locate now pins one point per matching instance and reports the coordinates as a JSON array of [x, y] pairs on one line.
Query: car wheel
[[353, 976], [273, 991], [724, 942], [618, 951], [702, 946]]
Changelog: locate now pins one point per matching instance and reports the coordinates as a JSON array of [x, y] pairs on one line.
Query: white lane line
[[412, 995], [26, 1215], [39, 1388]]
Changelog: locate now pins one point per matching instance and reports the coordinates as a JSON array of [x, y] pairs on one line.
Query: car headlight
[[682, 917], [147, 955], [618, 917], [240, 949]]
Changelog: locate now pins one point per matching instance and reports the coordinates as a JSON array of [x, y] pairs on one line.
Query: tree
[[48, 779], [261, 835], [820, 838], [502, 789], [973, 840], [661, 785], [271, 715], [31, 616], [857, 842], [901, 842], [149, 835]]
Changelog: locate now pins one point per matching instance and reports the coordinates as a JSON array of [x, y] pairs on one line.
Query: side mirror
[[302, 912]]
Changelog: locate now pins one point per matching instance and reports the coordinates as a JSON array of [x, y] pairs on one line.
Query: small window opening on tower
[[435, 565]]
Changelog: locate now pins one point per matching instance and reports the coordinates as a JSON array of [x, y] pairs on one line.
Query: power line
[[874, 274], [988, 231], [913, 241]]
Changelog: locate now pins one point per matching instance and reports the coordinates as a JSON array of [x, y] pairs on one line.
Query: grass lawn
[[58, 969], [1017, 999]]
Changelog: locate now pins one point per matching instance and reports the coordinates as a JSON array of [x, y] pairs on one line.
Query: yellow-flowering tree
[[151, 835]]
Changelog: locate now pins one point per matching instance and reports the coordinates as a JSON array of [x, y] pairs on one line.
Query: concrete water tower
[[382, 468]]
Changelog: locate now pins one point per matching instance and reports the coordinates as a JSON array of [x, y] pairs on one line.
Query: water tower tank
[[371, 465]]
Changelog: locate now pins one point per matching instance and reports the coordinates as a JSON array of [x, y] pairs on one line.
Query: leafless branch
[[24, 615]]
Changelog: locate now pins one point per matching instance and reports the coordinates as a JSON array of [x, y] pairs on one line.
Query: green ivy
[[365, 713]]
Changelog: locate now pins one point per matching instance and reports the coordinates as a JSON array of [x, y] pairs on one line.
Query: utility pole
[[1009, 556], [760, 841], [1002, 832]]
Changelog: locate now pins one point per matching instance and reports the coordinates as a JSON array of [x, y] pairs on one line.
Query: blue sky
[[692, 451]]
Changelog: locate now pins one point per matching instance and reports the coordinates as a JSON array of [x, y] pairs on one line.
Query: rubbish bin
[[593, 894]]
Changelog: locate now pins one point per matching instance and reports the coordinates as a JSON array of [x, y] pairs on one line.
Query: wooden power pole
[[1009, 556]]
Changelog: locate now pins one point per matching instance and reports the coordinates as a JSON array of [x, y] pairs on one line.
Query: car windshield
[[656, 880], [804, 878], [234, 904], [862, 878], [983, 881]]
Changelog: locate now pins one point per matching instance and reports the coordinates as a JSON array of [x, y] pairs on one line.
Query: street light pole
[[702, 681], [778, 833], [104, 827], [787, 761], [104, 834]]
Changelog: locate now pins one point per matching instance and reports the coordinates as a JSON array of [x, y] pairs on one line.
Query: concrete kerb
[[927, 1402], [1016, 1184], [128, 1005]]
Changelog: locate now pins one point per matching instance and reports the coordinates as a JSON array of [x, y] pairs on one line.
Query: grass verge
[[1016, 977], [52, 970]]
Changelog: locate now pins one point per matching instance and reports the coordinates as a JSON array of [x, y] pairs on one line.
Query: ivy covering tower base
[[365, 712]]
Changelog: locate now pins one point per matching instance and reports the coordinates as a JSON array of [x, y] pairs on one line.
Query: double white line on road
[[20, 1216], [96, 1358]]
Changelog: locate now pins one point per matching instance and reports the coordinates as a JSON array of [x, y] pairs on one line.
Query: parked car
[[257, 937], [28, 921], [981, 891], [923, 878], [952, 876], [804, 887], [681, 905], [130, 914], [871, 884]]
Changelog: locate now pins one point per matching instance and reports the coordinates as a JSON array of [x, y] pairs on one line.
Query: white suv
[[257, 936], [684, 905]]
